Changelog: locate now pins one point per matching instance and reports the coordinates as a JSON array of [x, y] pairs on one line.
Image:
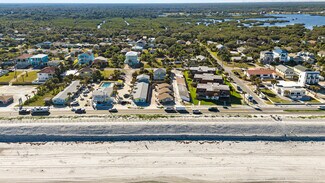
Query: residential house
[[45, 74], [140, 93], [132, 59], [266, 57], [280, 54], [86, 72], [159, 74], [201, 58], [299, 69], [103, 96], [162, 86], [22, 62], [307, 57], [202, 69], [100, 61], [285, 72], [44, 45], [165, 98], [54, 63], [143, 78], [86, 58], [208, 78], [6, 100], [212, 91], [291, 89], [309, 78], [141, 43], [220, 47], [68, 93], [295, 58], [39, 60], [262, 73], [164, 93], [182, 89], [241, 49]]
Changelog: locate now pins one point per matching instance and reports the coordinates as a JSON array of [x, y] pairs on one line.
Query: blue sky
[[145, 1]]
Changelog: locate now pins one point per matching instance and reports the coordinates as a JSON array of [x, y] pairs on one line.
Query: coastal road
[[237, 80], [294, 110]]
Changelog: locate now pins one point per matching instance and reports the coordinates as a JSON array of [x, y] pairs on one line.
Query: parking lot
[[17, 92]]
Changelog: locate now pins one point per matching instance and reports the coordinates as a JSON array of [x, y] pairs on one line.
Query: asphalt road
[[238, 81], [204, 109]]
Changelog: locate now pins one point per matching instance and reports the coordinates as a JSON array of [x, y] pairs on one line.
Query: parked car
[[196, 111], [321, 107], [213, 109], [24, 111], [170, 110], [114, 110], [74, 103], [80, 111]]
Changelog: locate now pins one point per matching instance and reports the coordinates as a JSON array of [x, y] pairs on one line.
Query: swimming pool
[[106, 84]]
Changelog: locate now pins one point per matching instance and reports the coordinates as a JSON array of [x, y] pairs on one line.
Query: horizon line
[[268, 1]]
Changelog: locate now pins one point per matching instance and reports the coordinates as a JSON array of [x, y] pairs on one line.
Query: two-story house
[[131, 58], [285, 71], [38, 61], [212, 91], [86, 58], [45, 74]]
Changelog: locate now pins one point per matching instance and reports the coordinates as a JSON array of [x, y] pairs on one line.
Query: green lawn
[[30, 77], [9, 77], [273, 97], [235, 98], [39, 100]]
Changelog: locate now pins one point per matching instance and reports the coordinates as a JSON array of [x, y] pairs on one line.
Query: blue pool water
[[106, 84]]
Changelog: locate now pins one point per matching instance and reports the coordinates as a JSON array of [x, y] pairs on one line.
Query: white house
[[262, 73], [280, 54], [309, 78], [62, 97], [132, 59], [103, 95], [45, 74], [291, 89], [140, 92]]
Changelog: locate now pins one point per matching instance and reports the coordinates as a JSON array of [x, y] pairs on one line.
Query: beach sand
[[162, 161]]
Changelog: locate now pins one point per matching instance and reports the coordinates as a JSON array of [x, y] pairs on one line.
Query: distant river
[[309, 20]]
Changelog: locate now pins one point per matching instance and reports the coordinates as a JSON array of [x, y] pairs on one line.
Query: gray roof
[[182, 90], [202, 69], [143, 76], [141, 90], [283, 68], [301, 68], [213, 87], [206, 76], [72, 88]]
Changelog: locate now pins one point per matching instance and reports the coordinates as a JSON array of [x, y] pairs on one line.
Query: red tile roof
[[260, 71], [48, 70], [24, 56]]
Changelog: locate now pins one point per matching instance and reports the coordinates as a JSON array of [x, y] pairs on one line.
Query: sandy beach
[[184, 161]]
